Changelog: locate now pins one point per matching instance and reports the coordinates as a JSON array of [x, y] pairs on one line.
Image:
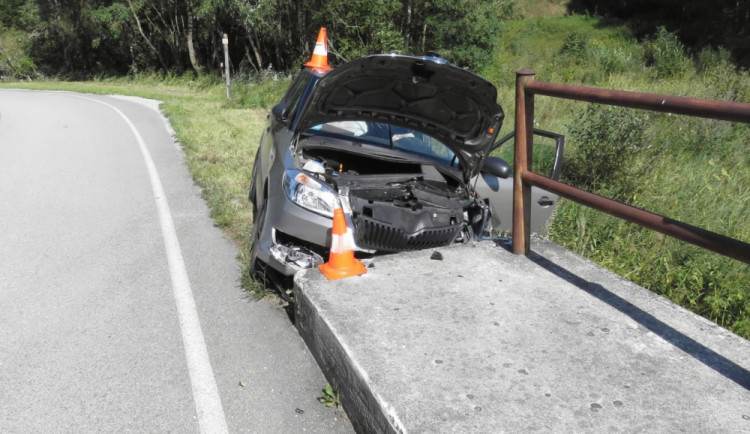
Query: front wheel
[[259, 270], [259, 218], [253, 181]]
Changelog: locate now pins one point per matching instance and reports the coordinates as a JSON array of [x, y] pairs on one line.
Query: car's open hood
[[453, 105]]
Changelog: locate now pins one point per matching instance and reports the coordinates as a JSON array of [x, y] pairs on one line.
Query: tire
[[260, 271], [253, 182], [259, 218]]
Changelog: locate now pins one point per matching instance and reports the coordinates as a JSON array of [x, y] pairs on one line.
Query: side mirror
[[280, 111], [497, 166]]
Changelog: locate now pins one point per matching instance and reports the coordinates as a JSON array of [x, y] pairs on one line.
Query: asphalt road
[[120, 306]]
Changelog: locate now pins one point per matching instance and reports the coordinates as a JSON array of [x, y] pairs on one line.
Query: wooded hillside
[[86, 38], [81, 38], [698, 24]]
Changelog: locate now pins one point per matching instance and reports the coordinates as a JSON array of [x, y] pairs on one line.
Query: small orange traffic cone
[[341, 262], [319, 59]]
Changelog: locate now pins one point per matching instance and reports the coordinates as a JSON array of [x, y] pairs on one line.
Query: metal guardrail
[[524, 178]]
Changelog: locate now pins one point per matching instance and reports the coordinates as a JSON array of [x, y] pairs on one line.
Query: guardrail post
[[524, 145]]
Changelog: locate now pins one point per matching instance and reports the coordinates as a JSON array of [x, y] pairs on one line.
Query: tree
[[464, 31], [86, 37]]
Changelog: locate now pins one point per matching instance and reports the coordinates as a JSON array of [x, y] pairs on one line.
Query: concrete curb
[[365, 410]]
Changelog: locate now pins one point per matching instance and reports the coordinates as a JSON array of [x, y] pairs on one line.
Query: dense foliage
[[114, 37], [699, 24]]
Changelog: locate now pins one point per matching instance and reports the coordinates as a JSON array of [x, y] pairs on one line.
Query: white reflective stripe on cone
[[337, 243], [342, 243], [320, 49]]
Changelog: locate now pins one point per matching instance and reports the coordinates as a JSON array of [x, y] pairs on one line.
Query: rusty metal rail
[[722, 110], [524, 177]]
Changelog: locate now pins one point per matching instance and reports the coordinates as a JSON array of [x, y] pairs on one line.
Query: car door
[[499, 191]]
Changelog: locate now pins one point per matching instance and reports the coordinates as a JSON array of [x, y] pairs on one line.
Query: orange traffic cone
[[341, 262], [319, 59]]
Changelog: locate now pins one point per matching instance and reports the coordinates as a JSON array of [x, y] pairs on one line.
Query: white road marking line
[[205, 392]]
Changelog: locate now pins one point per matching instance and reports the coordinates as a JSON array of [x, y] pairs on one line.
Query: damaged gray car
[[398, 142]]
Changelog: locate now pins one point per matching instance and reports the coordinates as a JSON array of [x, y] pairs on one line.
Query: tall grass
[[693, 170]]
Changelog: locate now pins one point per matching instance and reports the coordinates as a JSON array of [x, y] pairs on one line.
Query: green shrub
[[720, 78], [709, 58], [666, 55], [15, 60], [615, 60], [574, 47], [606, 140]]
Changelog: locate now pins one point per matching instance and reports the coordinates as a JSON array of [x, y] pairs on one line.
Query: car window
[[420, 143], [401, 138], [293, 95]]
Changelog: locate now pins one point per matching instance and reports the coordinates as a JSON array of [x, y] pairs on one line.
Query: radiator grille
[[375, 235]]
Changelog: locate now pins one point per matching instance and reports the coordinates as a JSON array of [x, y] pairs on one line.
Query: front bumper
[[284, 216]]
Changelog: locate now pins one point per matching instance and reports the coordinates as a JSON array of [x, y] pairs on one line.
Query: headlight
[[307, 192]]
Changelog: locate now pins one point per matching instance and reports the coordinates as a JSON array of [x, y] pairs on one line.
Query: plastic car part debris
[[297, 257], [437, 256]]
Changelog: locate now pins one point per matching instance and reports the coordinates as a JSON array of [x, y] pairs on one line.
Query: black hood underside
[[453, 105]]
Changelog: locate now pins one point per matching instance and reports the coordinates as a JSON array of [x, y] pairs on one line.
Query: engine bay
[[398, 205]]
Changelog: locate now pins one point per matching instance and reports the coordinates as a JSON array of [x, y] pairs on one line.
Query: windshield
[[390, 136]]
